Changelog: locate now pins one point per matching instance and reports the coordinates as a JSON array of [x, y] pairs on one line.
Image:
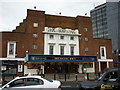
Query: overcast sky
[[12, 12]]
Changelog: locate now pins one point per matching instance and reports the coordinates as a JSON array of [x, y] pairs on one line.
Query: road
[[70, 85]]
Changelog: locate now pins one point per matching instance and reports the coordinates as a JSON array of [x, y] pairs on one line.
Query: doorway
[[103, 65]]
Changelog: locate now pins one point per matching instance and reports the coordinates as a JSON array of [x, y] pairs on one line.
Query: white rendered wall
[[57, 42]]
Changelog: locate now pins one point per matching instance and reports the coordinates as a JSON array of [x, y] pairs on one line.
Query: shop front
[[56, 63]]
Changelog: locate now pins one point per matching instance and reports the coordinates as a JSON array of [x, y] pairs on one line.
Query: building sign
[[3, 68], [62, 58], [60, 30], [20, 68], [9, 62]]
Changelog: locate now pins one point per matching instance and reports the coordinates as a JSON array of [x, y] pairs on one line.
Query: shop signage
[[60, 30], [62, 58], [20, 68], [9, 62]]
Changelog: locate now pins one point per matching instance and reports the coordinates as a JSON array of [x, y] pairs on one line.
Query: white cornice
[[18, 59], [105, 60]]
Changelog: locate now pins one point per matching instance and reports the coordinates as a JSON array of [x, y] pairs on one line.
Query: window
[[111, 76], [103, 52], [89, 65], [86, 49], [35, 24], [61, 50], [11, 48], [18, 83], [51, 36], [86, 38], [51, 48], [61, 37], [72, 50], [85, 29], [35, 35], [34, 81], [71, 38], [35, 46]]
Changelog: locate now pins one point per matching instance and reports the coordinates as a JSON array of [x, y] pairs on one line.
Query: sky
[[12, 12]]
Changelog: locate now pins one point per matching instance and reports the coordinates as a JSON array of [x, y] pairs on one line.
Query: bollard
[[65, 76], [54, 76], [87, 76], [76, 76]]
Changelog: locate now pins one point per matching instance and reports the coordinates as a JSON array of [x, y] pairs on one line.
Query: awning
[[61, 58]]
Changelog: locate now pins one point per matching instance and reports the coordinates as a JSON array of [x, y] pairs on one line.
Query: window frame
[[35, 35], [14, 49], [34, 46], [51, 51], [101, 52], [62, 37], [35, 25], [72, 51], [71, 38], [62, 48], [51, 37]]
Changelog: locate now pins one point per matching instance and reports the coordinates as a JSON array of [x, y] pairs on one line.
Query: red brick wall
[[25, 40]]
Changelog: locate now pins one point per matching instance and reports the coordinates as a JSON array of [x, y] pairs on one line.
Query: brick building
[[55, 44]]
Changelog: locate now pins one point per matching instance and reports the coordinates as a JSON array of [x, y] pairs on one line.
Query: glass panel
[[11, 49], [62, 50], [72, 50], [51, 50]]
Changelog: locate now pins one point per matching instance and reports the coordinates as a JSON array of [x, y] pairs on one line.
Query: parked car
[[110, 79], [34, 82]]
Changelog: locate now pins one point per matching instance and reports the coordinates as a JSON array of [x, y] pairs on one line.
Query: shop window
[[103, 52], [11, 49], [35, 24], [61, 50], [89, 65], [51, 49]]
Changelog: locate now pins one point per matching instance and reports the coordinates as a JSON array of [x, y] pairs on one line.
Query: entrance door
[[103, 65]]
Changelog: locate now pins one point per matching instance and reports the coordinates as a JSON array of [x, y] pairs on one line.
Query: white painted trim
[[93, 66], [99, 67], [105, 60], [103, 57], [107, 64], [8, 47], [18, 59]]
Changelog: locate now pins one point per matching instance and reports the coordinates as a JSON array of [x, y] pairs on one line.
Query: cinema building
[[54, 43]]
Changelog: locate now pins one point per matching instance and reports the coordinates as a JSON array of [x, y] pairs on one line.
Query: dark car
[[108, 80]]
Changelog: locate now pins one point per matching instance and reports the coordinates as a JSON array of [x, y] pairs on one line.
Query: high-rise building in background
[[106, 23]]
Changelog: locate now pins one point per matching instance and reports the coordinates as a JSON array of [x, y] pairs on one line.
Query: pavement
[[70, 77]]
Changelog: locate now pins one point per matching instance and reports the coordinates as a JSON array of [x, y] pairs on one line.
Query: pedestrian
[[84, 70], [38, 71]]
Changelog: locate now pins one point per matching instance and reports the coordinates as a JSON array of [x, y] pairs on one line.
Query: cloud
[[14, 11]]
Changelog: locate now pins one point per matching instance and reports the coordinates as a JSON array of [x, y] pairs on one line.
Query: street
[[70, 85]]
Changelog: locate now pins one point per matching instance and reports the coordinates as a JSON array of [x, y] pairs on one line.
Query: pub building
[[55, 44]]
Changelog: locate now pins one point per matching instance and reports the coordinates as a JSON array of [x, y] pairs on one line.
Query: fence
[[72, 76]]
